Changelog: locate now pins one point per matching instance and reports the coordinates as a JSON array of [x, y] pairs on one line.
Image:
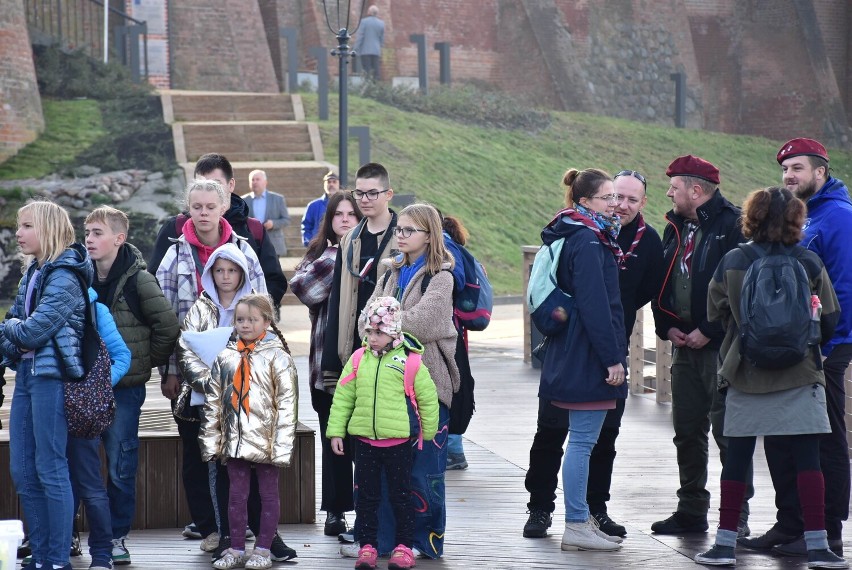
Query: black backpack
[[778, 327]]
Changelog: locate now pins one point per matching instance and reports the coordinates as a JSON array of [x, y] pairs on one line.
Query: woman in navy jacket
[[41, 341], [584, 367]]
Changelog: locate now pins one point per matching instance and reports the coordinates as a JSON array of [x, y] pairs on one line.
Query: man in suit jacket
[[270, 208]]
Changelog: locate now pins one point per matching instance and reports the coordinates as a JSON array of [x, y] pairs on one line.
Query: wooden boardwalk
[[486, 503]]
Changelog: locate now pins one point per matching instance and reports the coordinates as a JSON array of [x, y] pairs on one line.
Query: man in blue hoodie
[[828, 233]]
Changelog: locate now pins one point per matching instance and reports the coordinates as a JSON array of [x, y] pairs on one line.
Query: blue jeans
[[121, 444], [38, 465], [455, 445], [583, 430], [87, 485]]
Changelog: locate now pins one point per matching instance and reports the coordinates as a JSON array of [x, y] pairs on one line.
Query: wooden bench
[[160, 500]]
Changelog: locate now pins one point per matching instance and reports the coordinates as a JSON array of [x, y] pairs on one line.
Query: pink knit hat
[[385, 314]]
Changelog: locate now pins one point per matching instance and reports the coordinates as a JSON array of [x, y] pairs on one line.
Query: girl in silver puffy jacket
[[249, 421]]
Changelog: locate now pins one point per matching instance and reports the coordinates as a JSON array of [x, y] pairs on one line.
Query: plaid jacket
[[312, 285], [179, 280]]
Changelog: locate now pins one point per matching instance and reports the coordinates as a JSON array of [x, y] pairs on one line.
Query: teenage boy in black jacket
[[217, 167]]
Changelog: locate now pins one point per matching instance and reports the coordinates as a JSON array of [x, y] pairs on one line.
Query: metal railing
[[79, 25]]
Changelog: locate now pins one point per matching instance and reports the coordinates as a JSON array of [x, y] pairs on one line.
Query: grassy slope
[[505, 185], [70, 127]]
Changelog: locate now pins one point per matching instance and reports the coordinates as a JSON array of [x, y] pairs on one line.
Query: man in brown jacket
[[355, 277]]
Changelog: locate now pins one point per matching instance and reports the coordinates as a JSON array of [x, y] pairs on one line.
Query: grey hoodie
[[233, 254]]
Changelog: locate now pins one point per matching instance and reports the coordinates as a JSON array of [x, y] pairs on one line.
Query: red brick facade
[[20, 107], [777, 68]]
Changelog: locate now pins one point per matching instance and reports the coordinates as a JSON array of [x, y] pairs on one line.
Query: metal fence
[[79, 25]]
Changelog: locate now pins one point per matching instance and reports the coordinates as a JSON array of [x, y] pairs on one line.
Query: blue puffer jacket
[[575, 365], [828, 233], [56, 321]]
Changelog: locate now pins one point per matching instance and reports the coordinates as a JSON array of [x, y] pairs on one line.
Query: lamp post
[[343, 52]]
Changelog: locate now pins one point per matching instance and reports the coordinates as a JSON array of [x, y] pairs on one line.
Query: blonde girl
[[420, 278], [179, 275], [41, 341], [250, 422]]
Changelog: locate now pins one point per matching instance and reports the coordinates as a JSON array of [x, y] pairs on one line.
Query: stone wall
[[21, 118]]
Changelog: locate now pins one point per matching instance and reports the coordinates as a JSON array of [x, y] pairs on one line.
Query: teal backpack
[[549, 305]]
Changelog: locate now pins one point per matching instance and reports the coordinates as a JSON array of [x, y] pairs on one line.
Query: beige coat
[[268, 433], [429, 317], [349, 283]]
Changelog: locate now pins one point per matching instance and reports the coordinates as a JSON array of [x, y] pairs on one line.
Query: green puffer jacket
[[373, 404], [152, 342]]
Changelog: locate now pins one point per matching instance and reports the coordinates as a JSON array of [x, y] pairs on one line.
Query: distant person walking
[[368, 46], [270, 208], [313, 217]]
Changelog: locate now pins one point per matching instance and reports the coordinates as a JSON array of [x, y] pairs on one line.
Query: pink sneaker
[[366, 558], [401, 558]]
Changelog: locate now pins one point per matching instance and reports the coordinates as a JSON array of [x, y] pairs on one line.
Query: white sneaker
[[349, 550], [602, 534], [210, 543], [581, 536], [231, 559]]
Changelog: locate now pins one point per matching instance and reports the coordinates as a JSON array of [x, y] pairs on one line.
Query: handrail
[[78, 25]]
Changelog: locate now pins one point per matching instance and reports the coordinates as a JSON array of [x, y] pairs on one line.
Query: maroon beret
[[693, 166], [798, 147]]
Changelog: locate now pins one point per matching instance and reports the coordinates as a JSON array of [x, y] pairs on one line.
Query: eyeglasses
[[609, 198], [371, 195], [407, 232], [635, 175]]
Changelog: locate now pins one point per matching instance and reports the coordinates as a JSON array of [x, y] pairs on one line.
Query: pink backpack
[[412, 365]]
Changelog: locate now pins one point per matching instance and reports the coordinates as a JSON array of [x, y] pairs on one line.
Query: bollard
[[420, 40], [321, 54], [444, 62], [363, 134], [680, 98]]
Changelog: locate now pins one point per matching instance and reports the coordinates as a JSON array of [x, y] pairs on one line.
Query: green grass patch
[[70, 127], [505, 184]]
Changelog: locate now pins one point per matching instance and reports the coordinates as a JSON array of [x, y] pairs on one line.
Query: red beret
[[798, 147], [693, 166]]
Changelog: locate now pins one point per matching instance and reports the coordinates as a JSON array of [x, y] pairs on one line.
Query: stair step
[[281, 141], [216, 106]]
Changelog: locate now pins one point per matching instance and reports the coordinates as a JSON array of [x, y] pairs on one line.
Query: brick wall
[[219, 45], [21, 117]]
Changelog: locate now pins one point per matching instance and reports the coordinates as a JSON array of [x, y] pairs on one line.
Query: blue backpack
[[473, 303]]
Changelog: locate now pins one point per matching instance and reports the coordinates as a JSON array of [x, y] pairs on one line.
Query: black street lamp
[[343, 52]]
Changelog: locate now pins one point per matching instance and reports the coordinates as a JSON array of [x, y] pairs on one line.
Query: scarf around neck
[[242, 376], [640, 230], [606, 228]]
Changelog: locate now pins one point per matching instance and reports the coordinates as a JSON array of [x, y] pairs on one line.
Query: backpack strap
[[356, 360], [256, 230], [752, 251], [131, 297], [412, 365]]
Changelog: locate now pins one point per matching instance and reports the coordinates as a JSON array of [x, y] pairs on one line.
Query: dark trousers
[[196, 484], [336, 469], [371, 66], [833, 457], [546, 458], [697, 405], [395, 462]]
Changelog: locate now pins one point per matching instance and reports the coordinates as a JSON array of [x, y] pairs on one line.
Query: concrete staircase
[[265, 131]]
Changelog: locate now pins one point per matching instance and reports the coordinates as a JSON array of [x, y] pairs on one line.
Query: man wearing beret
[[828, 233], [312, 218], [702, 227]]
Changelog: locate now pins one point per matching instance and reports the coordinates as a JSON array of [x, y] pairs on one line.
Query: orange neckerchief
[[242, 376]]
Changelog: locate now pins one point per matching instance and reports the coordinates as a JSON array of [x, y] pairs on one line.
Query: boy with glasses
[[355, 277]]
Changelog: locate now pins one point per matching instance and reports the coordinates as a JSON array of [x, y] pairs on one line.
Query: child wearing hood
[[372, 403]]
